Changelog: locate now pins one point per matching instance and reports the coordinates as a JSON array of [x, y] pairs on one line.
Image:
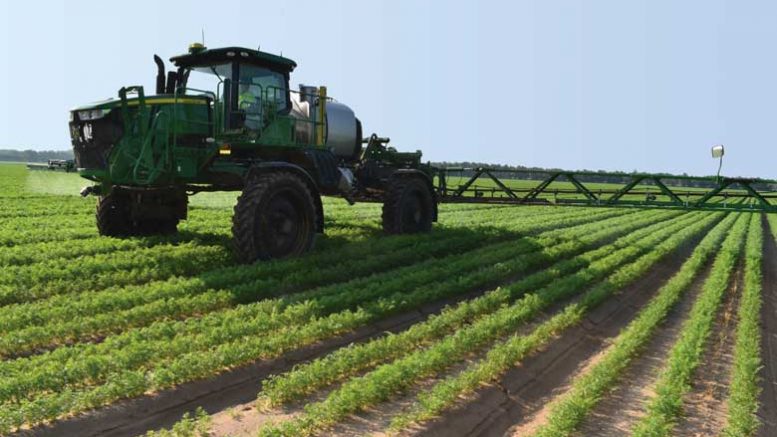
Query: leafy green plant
[[744, 388], [394, 377], [586, 390], [675, 378]]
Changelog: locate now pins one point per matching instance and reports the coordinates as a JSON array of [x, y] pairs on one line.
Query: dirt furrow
[[767, 412], [524, 390], [619, 410], [376, 420], [704, 407]]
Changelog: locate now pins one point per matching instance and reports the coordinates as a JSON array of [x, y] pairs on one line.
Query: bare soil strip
[[237, 388], [618, 412], [705, 410], [523, 391], [767, 412], [540, 418]]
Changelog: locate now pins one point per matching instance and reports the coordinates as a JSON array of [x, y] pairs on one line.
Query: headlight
[[94, 114]]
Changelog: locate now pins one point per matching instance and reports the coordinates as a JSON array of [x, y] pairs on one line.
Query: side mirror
[[718, 151]]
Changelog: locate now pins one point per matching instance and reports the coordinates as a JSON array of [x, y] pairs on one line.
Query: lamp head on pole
[[718, 152]]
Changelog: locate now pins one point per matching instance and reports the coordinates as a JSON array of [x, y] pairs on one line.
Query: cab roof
[[204, 56]]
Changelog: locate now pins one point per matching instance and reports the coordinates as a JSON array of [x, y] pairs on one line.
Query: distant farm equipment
[[66, 165]]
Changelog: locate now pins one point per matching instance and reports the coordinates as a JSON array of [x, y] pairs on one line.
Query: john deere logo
[[87, 130]]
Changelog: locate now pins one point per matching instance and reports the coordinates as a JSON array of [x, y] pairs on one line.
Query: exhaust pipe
[[172, 81], [160, 75]]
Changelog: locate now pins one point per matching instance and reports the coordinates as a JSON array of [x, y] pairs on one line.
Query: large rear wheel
[[275, 217], [408, 207]]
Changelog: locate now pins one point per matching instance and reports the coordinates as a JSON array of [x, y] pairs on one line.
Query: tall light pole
[[717, 152]]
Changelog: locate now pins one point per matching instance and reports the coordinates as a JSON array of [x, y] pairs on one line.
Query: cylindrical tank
[[341, 131], [342, 128]]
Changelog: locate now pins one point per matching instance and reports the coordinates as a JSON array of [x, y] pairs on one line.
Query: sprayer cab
[[251, 84]]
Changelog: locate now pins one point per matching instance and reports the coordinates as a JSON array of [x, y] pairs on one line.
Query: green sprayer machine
[[66, 165], [247, 130]]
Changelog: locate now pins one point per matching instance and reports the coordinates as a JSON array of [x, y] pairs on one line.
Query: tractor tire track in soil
[[523, 391], [767, 411], [237, 388], [705, 409], [621, 409]]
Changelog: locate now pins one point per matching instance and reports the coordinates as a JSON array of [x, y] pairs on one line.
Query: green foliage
[[86, 320], [676, 376], [744, 389], [503, 356], [171, 352], [388, 379], [350, 361], [590, 387]]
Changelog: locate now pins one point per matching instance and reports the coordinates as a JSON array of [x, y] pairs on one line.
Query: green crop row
[[346, 362], [588, 389], [15, 209], [312, 270], [26, 235], [388, 379], [122, 308], [195, 348], [744, 388], [198, 229], [675, 378], [70, 249], [333, 295], [506, 354], [25, 283], [76, 322]]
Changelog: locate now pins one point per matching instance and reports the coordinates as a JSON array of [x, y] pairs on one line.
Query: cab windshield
[[262, 84], [208, 78]]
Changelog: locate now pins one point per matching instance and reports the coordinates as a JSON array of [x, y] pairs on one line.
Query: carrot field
[[504, 320]]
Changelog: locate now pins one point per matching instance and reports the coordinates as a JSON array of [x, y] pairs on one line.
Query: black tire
[[113, 215], [408, 207], [275, 217]]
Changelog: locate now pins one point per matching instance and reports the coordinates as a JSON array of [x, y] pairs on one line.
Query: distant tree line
[[34, 155]]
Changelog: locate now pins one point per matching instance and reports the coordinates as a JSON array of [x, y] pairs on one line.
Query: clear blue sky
[[617, 85]]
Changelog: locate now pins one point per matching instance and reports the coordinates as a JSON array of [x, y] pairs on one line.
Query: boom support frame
[[631, 190]]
